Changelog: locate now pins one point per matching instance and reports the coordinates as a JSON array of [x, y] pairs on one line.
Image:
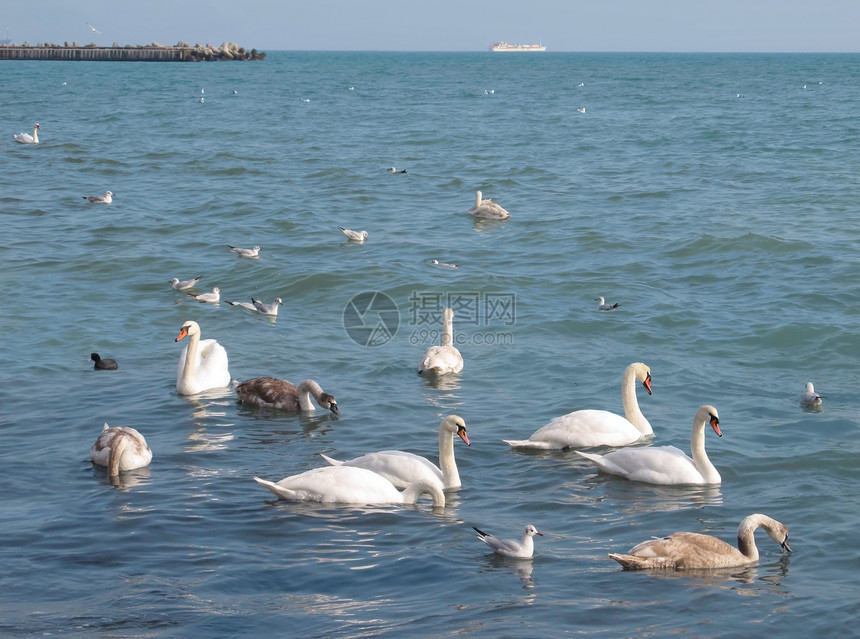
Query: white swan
[[488, 209], [666, 465], [271, 392], [26, 138], [439, 360], [590, 428], [348, 485], [809, 397], [120, 448], [202, 364], [690, 551], [523, 549], [402, 469]]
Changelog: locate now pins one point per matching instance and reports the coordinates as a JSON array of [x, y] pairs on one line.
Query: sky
[[446, 25]]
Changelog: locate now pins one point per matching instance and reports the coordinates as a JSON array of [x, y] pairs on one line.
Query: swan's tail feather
[[331, 461], [280, 491]]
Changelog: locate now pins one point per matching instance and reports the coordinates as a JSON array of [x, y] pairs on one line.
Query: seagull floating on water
[[355, 236], [489, 91], [185, 284], [523, 549], [809, 397], [260, 307], [211, 298], [394, 170], [243, 252], [581, 109], [603, 306], [444, 264], [107, 198], [26, 138]]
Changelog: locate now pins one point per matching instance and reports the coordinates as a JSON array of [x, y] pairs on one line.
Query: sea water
[[713, 196]]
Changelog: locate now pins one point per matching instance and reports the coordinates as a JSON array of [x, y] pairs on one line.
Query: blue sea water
[[713, 196]]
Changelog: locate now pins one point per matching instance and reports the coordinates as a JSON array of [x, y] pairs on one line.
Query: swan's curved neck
[[631, 404], [190, 358], [447, 463], [700, 457], [305, 390], [416, 489], [478, 199], [448, 330], [35, 134]]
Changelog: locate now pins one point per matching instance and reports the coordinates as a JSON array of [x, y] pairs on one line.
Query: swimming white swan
[[666, 465], [809, 397], [184, 285], [26, 138], [488, 209], [107, 198], [439, 360], [202, 364], [120, 448], [690, 551], [348, 485], [523, 549], [271, 392], [355, 236], [402, 469], [590, 428]]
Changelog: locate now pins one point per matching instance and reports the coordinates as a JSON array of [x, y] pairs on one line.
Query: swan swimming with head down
[[120, 448], [271, 392], [590, 428], [694, 551], [666, 465], [402, 468], [488, 209]]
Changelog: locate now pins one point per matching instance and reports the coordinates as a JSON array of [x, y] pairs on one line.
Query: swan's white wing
[[587, 429], [440, 360], [665, 465], [398, 467]]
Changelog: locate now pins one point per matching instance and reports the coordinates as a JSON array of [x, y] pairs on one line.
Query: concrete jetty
[[180, 52]]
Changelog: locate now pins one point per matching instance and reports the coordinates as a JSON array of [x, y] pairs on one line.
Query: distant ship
[[507, 46]]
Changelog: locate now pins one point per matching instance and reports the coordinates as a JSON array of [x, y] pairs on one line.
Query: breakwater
[[180, 52]]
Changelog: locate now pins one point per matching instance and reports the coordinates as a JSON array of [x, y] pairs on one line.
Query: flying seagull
[[93, 29]]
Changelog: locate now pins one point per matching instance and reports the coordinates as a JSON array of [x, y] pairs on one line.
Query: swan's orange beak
[[462, 433], [183, 332], [647, 384], [715, 424]]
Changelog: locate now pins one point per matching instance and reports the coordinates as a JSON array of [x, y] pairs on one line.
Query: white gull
[[243, 252], [107, 198], [212, 298], [355, 236], [184, 285], [523, 549]]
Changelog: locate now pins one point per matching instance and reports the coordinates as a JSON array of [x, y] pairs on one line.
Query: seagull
[[26, 138], [355, 236], [260, 307], [393, 170], [103, 364], [581, 84], [603, 306], [489, 91], [444, 264], [809, 397], [581, 109], [242, 252], [107, 198], [212, 298], [523, 549], [186, 284], [93, 29]]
